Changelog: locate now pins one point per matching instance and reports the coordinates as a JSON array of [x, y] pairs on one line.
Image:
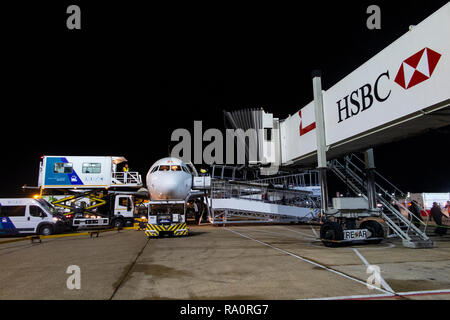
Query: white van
[[25, 215]]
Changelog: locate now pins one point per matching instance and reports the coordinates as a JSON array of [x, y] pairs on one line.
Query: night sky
[[134, 73]]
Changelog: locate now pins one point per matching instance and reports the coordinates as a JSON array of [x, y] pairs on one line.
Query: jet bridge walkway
[[411, 229], [256, 202], [307, 180]]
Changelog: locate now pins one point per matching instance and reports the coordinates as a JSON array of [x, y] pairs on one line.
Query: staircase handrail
[[392, 199], [388, 220]]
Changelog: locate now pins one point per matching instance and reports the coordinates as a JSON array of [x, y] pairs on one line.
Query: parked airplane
[[169, 179]]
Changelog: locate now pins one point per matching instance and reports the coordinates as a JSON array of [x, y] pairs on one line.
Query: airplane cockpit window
[[164, 168], [175, 168], [185, 169]]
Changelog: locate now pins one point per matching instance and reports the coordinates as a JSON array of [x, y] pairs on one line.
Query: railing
[[240, 173], [126, 178], [304, 179], [353, 176], [262, 193], [392, 199], [353, 184]]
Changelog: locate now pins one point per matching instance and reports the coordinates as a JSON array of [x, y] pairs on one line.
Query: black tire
[[376, 230], [118, 223], [330, 232], [46, 230]]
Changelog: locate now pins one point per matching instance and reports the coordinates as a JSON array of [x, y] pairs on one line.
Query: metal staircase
[[411, 230]]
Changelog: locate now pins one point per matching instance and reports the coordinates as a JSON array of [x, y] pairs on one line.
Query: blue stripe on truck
[[6, 225], [60, 179]]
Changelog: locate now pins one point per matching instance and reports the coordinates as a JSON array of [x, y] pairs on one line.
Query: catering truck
[[90, 190]]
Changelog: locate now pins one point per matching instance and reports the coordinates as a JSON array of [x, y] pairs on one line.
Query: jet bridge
[[401, 91]]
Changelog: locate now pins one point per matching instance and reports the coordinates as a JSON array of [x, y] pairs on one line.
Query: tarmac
[[262, 262]]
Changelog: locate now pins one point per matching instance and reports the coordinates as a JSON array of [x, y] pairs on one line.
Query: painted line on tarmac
[[382, 281], [355, 297], [282, 234], [315, 232], [382, 296], [313, 263], [388, 246], [299, 232]]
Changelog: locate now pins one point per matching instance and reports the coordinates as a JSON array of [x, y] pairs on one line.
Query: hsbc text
[[362, 99]]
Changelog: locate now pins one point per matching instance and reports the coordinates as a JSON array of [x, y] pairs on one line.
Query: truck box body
[[85, 172], [80, 172]]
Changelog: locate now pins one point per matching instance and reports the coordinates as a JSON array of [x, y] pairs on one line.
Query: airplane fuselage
[[169, 179]]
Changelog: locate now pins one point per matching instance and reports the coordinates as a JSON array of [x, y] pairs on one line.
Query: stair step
[[415, 244]]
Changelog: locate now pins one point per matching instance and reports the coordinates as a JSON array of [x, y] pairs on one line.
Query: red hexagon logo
[[417, 68]]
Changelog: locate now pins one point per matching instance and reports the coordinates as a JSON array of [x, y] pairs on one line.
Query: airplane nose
[[168, 188]]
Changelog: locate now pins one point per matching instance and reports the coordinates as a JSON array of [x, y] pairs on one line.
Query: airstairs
[[261, 202], [408, 227]]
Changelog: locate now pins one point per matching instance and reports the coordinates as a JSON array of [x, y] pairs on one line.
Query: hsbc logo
[[417, 68], [414, 70]]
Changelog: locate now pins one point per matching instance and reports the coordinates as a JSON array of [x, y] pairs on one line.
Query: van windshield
[[47, 206]]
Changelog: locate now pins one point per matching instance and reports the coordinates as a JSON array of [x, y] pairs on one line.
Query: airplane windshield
[[164, 168], [175, 168], [185, 169], [154, 169]]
